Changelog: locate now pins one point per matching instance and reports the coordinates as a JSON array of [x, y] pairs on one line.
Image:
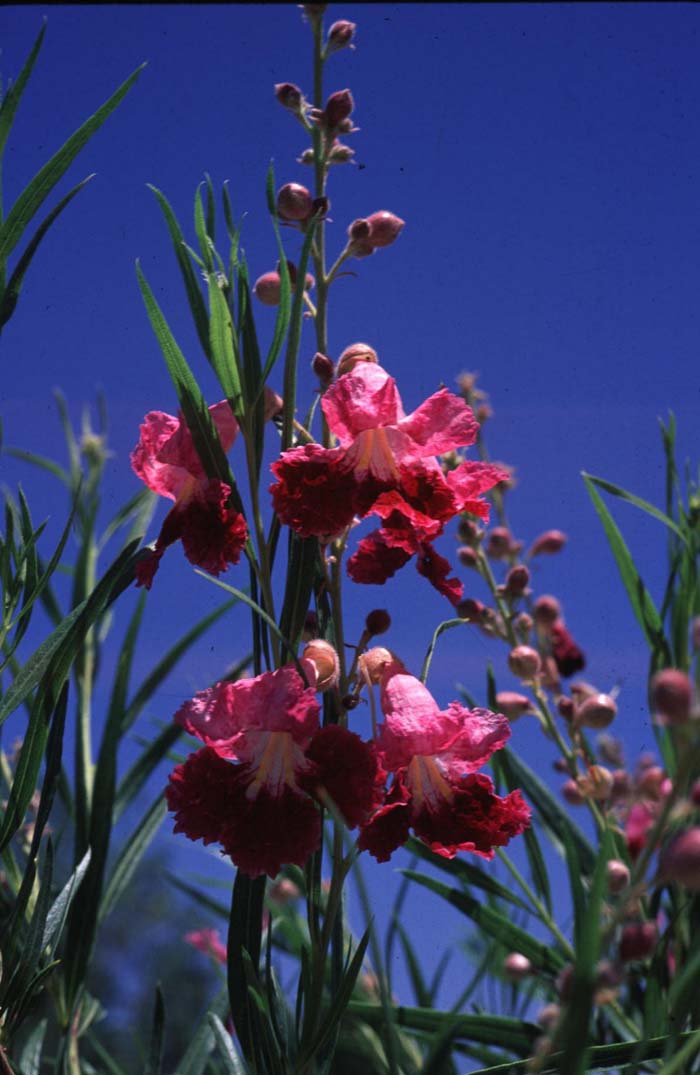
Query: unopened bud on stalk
[[548, 1017], [499, 543], [339, 107], [283, 892], [320, 207], [467, 556], [516, 967], [546, 611], [637, 941], [340, 36], [522, 625], [651, 781], [597, 711], [267, 288], [572, 793], [356, 352], [307, 157], [680, 861], [621, 785], [470, 609], [597, 783], [294, 202], [565, 707], [310, 626], [550, 542], [376, 661], [384, 228], [512, 704], [378, 621], [323, 367], [517, 581], [524, 662], [325, 660], [468, 531], [289, 96], [618, 876], [340, 154], [671, 695]]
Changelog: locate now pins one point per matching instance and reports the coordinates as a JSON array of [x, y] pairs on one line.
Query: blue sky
[[546, 160]]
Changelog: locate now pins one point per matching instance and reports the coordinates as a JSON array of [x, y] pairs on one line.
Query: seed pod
[[524, 662], [597, 711]]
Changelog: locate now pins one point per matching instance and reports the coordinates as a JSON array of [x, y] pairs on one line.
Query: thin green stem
[[536, 902]]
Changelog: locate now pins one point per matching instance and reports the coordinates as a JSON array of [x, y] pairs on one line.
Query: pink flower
[[212, 533], [255, 786], [640, 821], [208, 942], [567, 654], [437, 790], [384, 464]]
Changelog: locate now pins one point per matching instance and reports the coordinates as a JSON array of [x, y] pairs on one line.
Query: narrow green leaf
[[201, 899], [56, 917], [30, 1057], [291, 649], [601, 1058], [10, 101], [10, 294], [284, 308], [45, 180], [203, 1041], [154, 1060], [513, 938], [244, 939], [210, 216], [142, 769], [40, 461], [446, 625], [302, 573], [341, 1000], [645, 506], [467, 873], [200, 227], [233, 1064], [223, 348], [131, 855], [642, 604], [516, 1035]]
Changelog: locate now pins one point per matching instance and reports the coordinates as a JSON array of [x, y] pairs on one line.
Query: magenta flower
[[212, 533], [255, 786], [437, 791], [384, 464], [209, 942]]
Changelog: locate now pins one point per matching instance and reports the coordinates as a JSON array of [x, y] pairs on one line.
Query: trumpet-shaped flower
[[255, 786], [437, 790], [212, 533]]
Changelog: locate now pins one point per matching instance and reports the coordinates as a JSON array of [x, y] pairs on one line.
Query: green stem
[[536, 902]]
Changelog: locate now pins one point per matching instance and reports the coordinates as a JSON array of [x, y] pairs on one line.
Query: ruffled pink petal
[[441, 424], [314, 494], [199, 794], [364, 398], [480, 734], [435, 568], [413, 722], [179, 450], [469, 481], [389, 827], [400, 515], [424, 485], [348, 770], [270, 831], [155, 430], [472, 819], [209, 717], [213, 535], [374, 560]]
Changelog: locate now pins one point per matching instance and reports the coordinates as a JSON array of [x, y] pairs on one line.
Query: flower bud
[[272, 404], [637, 941], [307, 157], [267, 288], [517, 580], [378, 621], [339, 106], [467, 556], [512, 704], [568, 656], [468, 531], [572, 793], [320, 207], [671, 695], [651, 781], [340, 36], [325, 659], [340, 154], [680, 861], [289, 96], [499, 543], [597, 783], [283, 891], [375, 662], [470, 609], [618, 876], [621, 785], [359, 230], [548, 1017], [522, 624], [565, 707], [546, 611], [695, 794], [294, 202], [313, 12], [524, 662], [310, 626], [323, 367], [384, 228], [516, 967], [597, 711], [550, 542], [356, 352]]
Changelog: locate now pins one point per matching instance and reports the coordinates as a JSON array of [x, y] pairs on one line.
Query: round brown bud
[[325, 660], [524, 662], [499, 543], [468, 531], [340, 154], [307, 157], [512, 704], [621, 785], [340, 35], [565, 707], [637, 941], [467, 556], [550, 542], [471, 609], [671, 695], [378, 621], [320, 206], [358, 231], [650, 781], [294, 202], [680, 860], [375, 662], [572, 793], [618, 876], [517, 581], [339, 106], [546, 610], [548, 1017], [289, 96], [267, 288], [384, 228], [597, 783], [516, 967], [597, 711], [323, 367], [356, 352], [310, 629], [523, 626]]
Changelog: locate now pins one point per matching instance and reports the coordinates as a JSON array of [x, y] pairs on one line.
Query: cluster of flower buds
[[368, 234], [477, 399]]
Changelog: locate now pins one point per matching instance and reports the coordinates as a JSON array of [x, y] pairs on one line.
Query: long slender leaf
[[30, 1058], [645, 506], [203, 1041], [222, 342], [446, 625], [233, 1063], [56, 917], [10, 101], [516, 1035], [45, 180], [467, 873], [154, 1060], [601, 1058], [140, 772], [131, 855]]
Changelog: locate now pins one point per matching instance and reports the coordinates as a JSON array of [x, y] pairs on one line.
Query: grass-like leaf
[[154, 1059], [233, 1064], [244, 940], [516, 1035], [203, 1041], [467, 873], [132, 852], [10, 101]]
